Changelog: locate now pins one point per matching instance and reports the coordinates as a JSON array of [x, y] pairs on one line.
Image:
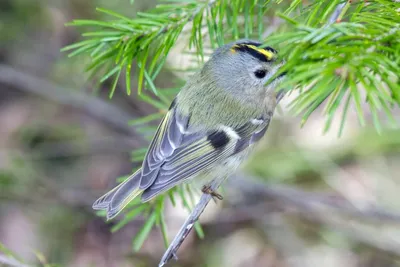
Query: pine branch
[[152, 34], [341, 62]]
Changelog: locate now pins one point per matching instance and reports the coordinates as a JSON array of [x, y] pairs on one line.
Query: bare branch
[[309, 201], [106, 145], [359, 231], [188, 225]]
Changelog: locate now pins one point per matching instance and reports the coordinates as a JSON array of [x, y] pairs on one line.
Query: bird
[[210, 128]]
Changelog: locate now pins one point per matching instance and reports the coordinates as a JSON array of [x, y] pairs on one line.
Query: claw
[[207, 190], [174, 256]]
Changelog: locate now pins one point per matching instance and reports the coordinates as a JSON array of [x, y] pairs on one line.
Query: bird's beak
[[280, 95], [280, 65]]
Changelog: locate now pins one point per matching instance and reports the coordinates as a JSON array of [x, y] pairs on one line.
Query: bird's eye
[[260, 74]]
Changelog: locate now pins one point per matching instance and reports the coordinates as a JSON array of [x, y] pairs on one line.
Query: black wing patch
[[218, 139]]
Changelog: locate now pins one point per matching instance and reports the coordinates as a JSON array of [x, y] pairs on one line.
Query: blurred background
[[324, 200]]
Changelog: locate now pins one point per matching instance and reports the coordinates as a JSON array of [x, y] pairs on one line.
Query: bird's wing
[[251, 132], [177, 154]]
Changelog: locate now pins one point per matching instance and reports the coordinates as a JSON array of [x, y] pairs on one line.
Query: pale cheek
[[270, 100], [254, 87]]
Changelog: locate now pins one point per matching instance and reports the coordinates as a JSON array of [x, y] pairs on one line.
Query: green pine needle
[[144, 232]]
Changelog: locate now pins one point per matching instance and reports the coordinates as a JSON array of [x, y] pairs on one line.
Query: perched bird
[[210, 127]]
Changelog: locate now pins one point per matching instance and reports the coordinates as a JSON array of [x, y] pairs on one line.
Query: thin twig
[[188, 224]]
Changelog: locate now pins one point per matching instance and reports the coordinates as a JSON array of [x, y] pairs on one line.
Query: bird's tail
[[117, 199]]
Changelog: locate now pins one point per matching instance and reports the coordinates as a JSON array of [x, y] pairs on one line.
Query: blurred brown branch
[[50, 150], [308, 201], [95, 107]]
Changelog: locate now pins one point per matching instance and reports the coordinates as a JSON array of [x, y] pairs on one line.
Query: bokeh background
[[328, 201]]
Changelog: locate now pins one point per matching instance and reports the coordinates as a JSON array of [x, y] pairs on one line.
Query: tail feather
[[116, 200]]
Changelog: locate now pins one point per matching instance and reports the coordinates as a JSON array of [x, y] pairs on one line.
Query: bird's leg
[[207, 190]]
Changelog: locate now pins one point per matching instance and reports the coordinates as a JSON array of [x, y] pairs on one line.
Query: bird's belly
[[221, 170]]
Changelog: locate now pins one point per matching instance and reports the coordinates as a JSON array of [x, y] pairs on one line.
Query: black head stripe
[[268, 48], [265, 54]]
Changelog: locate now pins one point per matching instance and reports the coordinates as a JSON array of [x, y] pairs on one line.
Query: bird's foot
[[207, 190]]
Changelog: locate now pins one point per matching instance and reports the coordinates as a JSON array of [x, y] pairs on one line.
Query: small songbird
[[210, 127]]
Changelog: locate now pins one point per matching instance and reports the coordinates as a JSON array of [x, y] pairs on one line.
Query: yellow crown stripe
[[266, 53]]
